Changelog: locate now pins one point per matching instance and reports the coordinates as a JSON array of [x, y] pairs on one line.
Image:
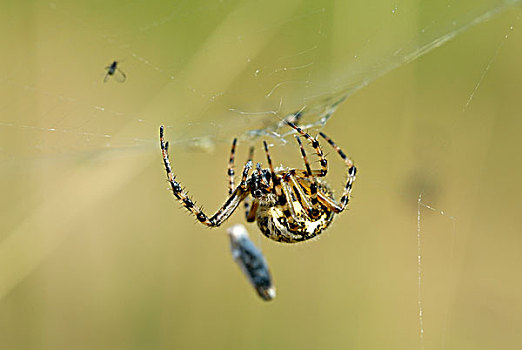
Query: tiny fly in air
[[113, 70]]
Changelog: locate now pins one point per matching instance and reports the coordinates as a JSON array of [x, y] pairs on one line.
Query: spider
[[289, 205], [112, 69]]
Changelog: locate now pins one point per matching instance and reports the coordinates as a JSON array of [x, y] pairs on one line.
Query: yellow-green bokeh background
[[96, 254]]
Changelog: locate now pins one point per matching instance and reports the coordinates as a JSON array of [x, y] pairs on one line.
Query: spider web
[[245, 67], [210, 71]]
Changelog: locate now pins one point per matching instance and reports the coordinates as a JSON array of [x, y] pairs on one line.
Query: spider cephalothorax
[[289, 205]]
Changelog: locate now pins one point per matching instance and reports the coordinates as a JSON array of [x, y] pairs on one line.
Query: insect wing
[[107, 76], [119, 75], [251, 261]]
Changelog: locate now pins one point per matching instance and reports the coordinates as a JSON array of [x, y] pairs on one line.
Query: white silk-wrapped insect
[[251, 261]]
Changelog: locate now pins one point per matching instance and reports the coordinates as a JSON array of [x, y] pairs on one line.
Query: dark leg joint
[[201, 217]]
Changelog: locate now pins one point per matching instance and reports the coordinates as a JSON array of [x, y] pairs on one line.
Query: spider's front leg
[[223, 213], [249, 212]]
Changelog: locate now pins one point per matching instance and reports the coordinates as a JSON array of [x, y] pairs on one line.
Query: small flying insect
[[113, 70], [251, 261]]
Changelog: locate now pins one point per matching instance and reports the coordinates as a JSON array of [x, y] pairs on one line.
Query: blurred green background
[[96, 254]]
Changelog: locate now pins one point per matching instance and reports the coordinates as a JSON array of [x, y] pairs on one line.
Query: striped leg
[[289, 209], [246, 203], [352, 170], [323, 198], [278, 190], [304, 173], [231, 168], [313, 212], [294, 118], [251, 213], [276, 182], [298, 191], [181, 195], [315, 145]]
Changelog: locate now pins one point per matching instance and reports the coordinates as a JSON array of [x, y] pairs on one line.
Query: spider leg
[[251, 153], [231, 168], [299, 194], [330, 203], [297, 117], [323, 198], [251, 214], [282, 198], [351, 172], [289, 209], [305, 159], [106, 77], [276, 182], [294, 117], [247, 199], [314, 211], [315, 145], [181, 195], [304, 173], [243, 184], [239, 194], [229, 207]]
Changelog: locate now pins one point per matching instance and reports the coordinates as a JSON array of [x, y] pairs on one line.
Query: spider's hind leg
[[352, 170]]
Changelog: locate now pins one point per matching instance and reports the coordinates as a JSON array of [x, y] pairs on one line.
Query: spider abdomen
[[274, 224]]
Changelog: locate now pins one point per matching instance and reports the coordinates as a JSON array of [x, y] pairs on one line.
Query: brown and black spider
[[289, 205]]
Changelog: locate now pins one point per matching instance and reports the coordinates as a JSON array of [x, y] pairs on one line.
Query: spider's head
[[260, 182]]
